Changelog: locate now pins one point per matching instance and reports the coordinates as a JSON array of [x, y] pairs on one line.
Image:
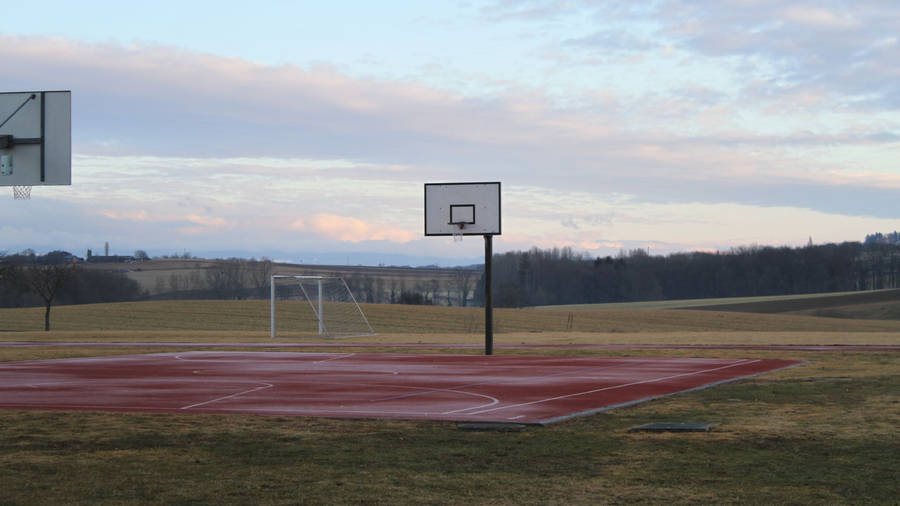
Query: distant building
[[110, 259], [61, 257], [107, 258]]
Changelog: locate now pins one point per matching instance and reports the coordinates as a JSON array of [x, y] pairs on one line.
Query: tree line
[[236, 278], [563, 276], [521, 278], [28, 279], [879, 238], [57, 278]]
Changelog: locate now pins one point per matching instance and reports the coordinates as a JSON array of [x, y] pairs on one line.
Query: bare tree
[[462, 283], [45, 281], [379, 290], [10, 289], [258, 274], [7, 270], [395, 291], [175, 282], [434, 286], [368, 288], [195, 282], [159, 285], [226, 278]]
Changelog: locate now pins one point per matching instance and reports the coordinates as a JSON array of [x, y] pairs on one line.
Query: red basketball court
[[499, 388]]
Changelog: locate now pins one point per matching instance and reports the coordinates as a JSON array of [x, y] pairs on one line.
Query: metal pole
[[321, 316], [488, 297], [272, 305], [43, 144]]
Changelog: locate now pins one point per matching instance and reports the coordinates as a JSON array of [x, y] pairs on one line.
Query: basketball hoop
[[21, 192], [458, 209], [458, 233]]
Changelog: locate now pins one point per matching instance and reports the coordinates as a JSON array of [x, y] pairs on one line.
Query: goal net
[[319, 305]]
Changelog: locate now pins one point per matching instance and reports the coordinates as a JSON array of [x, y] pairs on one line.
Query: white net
[[303, 305], [22, 192], [458, 232]]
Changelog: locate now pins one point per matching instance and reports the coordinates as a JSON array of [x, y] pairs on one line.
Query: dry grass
[[507, 339], [881, 311], [822, 433], [253, 316], [800, 304], [688, 303]]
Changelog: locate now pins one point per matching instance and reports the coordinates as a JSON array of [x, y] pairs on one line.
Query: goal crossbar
[[335, 309]]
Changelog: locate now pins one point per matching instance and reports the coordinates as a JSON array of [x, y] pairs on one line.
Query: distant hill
[[870, 305], [877, 304]]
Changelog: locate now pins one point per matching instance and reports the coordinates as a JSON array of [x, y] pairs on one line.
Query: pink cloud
[[821, 17], [206, 221], [140, 215], [159, 80], [343, 228]]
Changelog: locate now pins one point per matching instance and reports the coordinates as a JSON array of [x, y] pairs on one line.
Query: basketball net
[[22, 192], [458, 233]]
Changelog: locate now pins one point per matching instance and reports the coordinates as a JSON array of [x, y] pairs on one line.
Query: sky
[[305, 131]]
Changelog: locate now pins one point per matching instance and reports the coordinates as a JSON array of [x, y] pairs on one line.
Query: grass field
[[823, 433], [253, 317], [850, 304]]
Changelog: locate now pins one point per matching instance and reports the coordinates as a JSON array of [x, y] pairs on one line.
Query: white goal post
[[335, 312]]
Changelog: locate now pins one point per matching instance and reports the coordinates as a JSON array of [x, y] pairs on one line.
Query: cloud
[[140, 215], [848, 49], [345, 228], [206, 221], [215, 148], [843, 47], [616, 40], [822, 18], [163, 101]]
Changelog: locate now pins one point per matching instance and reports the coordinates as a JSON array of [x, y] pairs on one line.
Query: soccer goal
[[320, 304]]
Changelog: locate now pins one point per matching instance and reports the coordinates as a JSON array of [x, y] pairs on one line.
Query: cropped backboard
[[36, 138], [462, 209]]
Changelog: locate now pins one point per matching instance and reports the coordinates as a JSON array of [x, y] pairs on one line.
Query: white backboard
[[36, 138], [474, 206]]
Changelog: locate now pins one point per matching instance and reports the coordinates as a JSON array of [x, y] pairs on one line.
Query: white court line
[[613, 387], [494, 400], [332, 411], [426, 391], [354, 405], [519, 379], [93, 407], [294, 363], [339, 357], [263, 387], [530, 378]]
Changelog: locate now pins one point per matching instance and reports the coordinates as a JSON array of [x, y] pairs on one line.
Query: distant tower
[[106, 248], [810, 243]]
